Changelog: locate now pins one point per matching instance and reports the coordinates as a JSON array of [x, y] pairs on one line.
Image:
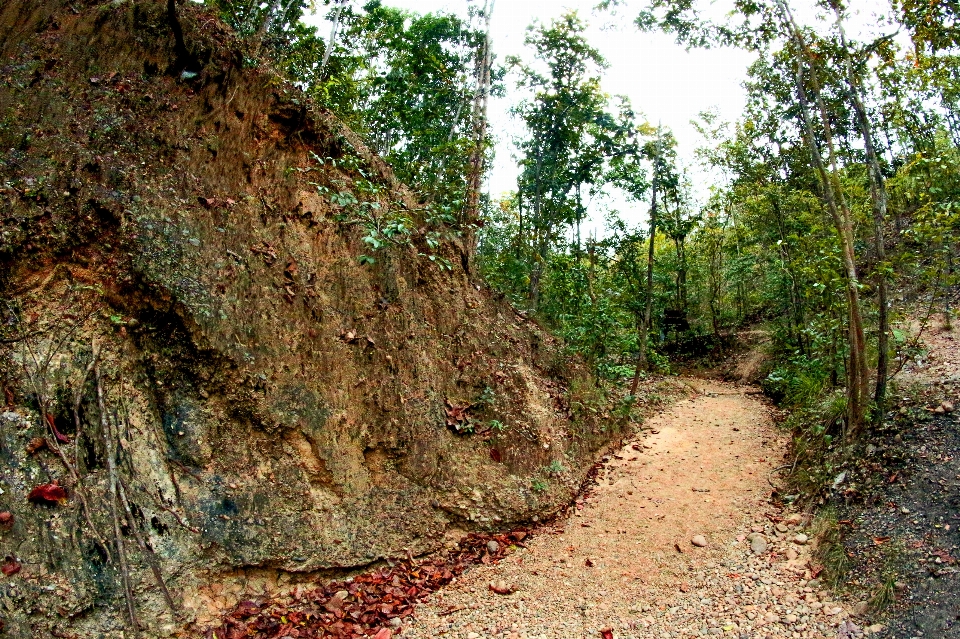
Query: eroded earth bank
[[202, 383]]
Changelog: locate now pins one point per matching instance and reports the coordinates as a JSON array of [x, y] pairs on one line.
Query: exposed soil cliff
[[224, 392]]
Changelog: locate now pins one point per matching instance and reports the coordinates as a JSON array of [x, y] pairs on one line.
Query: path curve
[[624, 562]]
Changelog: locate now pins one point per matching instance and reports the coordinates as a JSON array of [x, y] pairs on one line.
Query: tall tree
[[567, 126]]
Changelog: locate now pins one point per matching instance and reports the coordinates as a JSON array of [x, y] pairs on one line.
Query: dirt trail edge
[[677, 539]]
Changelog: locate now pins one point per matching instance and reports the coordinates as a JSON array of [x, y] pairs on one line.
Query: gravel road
[[677, 539]]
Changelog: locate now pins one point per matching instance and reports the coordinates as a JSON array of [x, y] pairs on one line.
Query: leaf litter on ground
[[364, 606]]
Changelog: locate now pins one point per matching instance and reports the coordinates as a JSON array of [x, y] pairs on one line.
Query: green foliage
[[555, 468], [407, 83], [359, 201]]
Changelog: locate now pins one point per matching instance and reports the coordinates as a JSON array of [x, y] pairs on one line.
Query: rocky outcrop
[[193, 348]]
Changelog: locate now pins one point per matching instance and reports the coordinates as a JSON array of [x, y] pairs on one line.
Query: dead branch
[[19, 338]]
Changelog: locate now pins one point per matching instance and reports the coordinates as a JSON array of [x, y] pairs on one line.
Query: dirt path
[[626, 562]]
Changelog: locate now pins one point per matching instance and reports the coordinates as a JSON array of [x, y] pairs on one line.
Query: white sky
[[664, 82]]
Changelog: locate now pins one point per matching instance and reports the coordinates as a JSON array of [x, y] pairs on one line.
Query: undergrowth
[[830, 552]]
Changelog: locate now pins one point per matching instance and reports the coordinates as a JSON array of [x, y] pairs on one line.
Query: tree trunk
[[878, 196], [481, 103], [948, 285], [857, 375], [328, 50], [644, 328], [536, 230], [180, 46]]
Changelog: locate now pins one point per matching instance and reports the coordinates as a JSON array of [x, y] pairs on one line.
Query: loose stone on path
[[615, 565]]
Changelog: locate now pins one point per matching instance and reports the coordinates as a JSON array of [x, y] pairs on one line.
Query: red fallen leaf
[[245, 609], [880, 540], [63, 439], [495, 455], [383, 634], [207, 202], [606, 633], [893, 478], [6, 520], [9, 395], [501, 588], [51, 493], [10, 566]]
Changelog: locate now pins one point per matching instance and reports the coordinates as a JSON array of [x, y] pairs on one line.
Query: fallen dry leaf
[[36, 444], [52, 493], [367, 604], [6, 520], [501, 588], [880, 540], [383, 634], [606, 633], [10, 566]]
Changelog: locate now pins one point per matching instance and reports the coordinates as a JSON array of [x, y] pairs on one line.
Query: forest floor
[[679, 537], [900, 501]]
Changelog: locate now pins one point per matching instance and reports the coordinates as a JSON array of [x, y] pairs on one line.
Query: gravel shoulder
[[678, 538]]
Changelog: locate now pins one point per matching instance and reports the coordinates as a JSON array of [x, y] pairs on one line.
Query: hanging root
[[106, 432], [71, 468], [146, 550]]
